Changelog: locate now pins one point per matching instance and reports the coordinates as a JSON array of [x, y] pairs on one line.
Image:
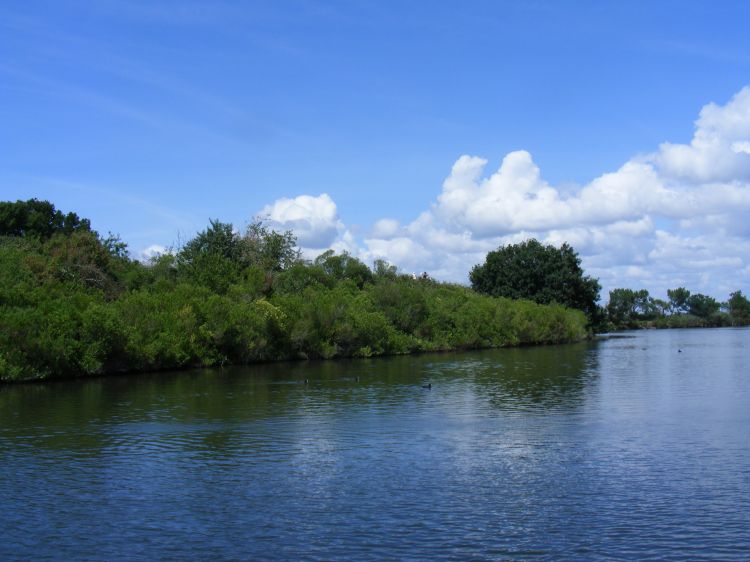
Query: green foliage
[[636, 309], [739, 308], [270, 250], [219, 240], [543, 274], [300, 276], [678, 299], [402, 301], [217, 257], [36, 218], [702, 306], [627, 306], [74, 304], [344, 266], [383, 270]]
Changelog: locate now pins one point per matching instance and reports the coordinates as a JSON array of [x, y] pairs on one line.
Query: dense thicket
[[541, 273], [72, 303]]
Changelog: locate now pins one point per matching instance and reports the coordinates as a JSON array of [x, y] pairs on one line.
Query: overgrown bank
[[73, 304]]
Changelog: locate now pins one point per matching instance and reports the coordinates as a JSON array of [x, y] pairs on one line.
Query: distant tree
[[702, 306], [645, 306], [343, 266], [219, 239], [115, 246], [217, 256], [621, 306], [678, 299], [38, 219], [541, 273], [382, 269], [268, 249], [214, 258], [627, 305], [739, 308], [260, 246]]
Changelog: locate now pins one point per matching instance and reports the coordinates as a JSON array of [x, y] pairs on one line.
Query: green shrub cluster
[[74, 304]]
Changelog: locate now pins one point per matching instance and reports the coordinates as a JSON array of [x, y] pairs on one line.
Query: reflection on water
[[633, 447]]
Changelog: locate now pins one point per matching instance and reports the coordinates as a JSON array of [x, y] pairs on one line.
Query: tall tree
[[678, 299], [537, 272], [739, 308]]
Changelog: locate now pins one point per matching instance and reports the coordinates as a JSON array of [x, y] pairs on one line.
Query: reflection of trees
[[210, 409], [549, 377]]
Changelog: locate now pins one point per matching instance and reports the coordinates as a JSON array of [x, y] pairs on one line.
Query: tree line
[[628, 308], [546, 274], [73, 303]]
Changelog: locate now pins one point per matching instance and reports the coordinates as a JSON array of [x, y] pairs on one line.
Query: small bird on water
[[428, 385]]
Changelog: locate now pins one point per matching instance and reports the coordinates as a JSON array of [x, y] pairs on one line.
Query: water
[[636, 447]]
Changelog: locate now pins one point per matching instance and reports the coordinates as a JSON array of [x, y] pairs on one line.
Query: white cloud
[[314, 220], [677, 216], [385, 228], [152, 251], [719, 148]]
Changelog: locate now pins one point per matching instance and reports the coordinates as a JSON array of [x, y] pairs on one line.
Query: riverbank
[[679, 321], [71, 307]]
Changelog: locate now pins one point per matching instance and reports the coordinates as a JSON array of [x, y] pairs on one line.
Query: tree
[[217, 256], [214, 258], [621, 306], [739, 308], [381, 269], [218, 239], [661, 307], [627, 305], [268, 249], [38, 219], [541, 273], [678, 299], [344, 266], [702, 306]]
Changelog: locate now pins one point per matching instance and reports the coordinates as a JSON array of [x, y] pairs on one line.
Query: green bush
[[74, 304]]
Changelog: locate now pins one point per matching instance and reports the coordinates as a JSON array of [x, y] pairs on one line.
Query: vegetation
[[543, 274], [546, 274], [72, 303], [637, 309], [37, 218]]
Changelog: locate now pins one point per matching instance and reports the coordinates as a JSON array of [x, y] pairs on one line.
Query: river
[[634, 447]]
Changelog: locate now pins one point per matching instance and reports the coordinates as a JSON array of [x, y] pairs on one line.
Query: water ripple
[[620, 450]]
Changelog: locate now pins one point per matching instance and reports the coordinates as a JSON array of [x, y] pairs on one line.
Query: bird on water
[[428, 385]]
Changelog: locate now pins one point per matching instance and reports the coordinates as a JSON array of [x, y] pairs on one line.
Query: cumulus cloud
[[676, 216], [153, 251], [314, 220], [385, 228], [718, 151]]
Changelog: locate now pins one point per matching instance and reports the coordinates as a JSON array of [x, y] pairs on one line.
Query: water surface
[[636, 447]]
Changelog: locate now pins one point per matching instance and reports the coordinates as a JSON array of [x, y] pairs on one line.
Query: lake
[[634, 447]]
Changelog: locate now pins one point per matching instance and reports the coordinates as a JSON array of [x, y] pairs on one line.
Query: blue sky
[[380, 128]]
